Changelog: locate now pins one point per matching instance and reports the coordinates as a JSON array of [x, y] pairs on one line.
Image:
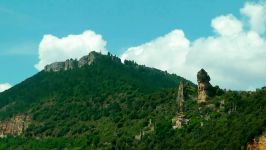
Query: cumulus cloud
[[255, 12], [53, 49], [4, 86], [156, 53], [227, 25], [234, 56]]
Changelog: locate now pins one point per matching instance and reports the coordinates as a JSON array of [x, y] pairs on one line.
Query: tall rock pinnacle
[[204, 86], [180, 97]]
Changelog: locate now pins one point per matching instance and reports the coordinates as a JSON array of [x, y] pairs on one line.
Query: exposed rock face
[[180, 97], [258, 143], [71, 64], [204, 86], [14, 126], [87, 60], [179, 121], [60, 66], [57, 66]]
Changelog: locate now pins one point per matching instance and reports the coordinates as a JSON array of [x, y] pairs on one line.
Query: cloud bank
[[4, 86], [53, 49], [235, 56]]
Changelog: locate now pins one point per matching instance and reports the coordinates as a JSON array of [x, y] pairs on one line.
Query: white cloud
[[53, 49], [234, 57], [156, 53], [234, 62], [256, 16], [227, 25], [4, 86]]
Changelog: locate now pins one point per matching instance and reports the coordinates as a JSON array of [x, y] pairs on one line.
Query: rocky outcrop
[[87, 60], [71, 64], [14, 126], [180, 97], [60, 66], [179, 121], [57, 66], [204, 86], [258, 143]]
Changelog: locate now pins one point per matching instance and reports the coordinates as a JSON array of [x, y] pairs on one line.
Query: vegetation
[[108, 104]]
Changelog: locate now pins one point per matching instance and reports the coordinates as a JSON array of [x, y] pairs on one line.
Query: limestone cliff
[[71, 64], [60, 66], [258, 143], [57, 66], [14, 126], [204, 86], [87, 60]]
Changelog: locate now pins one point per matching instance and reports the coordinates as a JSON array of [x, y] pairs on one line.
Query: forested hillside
[[115, 105]]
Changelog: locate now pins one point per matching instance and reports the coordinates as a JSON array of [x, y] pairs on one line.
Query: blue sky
[[122, 23]]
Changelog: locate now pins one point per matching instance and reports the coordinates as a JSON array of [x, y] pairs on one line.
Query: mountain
[[98, 102]]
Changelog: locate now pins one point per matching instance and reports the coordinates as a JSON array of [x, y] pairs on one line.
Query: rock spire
[[204, 86], [180, 97]]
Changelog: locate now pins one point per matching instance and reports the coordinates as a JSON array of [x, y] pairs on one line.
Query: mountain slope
[[112, 105], [106, 76]]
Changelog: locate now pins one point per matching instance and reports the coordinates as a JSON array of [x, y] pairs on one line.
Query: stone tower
[[204, 86], [180, 97]]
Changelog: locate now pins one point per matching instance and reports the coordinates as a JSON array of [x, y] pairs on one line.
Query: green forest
[[109, 104]]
